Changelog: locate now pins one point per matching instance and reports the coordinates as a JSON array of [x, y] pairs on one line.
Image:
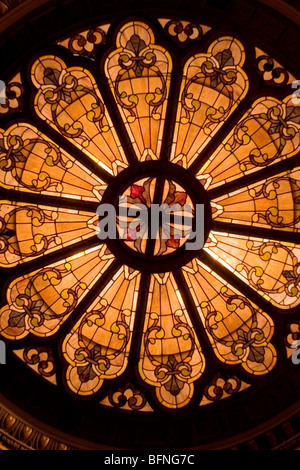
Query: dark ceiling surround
[[243, 421]]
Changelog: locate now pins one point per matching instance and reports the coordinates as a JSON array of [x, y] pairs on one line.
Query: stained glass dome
[[164, 111]]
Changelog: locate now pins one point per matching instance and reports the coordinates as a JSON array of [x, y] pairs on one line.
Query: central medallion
[[162, 216], [155, 216]]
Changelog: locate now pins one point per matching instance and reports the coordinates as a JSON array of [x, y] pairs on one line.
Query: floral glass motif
[[183, 32], [87, 42], [273, 203], [14, 96], [139, 74], [268, 133], [98, 345], [111, 317], [171, 357], [213, 85], [70, 101], [133, 230]]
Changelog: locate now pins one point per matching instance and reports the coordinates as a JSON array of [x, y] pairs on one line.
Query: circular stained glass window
[[156, 113]]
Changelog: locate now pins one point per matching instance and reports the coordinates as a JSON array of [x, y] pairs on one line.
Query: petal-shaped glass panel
[[31, 161], [139, 75], [69, 100], [97, 348], [171, 357], [271, 203], [41, 301], [213, 85], [271, 268], [239, 332], [31, 230], [268, 133]]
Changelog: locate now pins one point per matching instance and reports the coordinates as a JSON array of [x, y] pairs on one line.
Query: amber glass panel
[[139, 75], [239, 332], [98, 345], [272, 203], [41, 301], [32, 162], [213, 85], [69, 100], [30, 230], [171, 358], [268, 133], [269, 267]]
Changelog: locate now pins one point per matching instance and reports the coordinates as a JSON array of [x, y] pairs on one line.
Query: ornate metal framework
[[127, 395]]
